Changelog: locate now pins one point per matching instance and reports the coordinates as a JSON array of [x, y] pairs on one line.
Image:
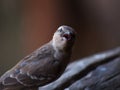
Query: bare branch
[[77, 69]]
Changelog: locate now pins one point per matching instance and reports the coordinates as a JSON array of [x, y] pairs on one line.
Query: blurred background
[[27, 24]]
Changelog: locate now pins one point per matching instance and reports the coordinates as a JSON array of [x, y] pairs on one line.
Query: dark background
[[27, 24]]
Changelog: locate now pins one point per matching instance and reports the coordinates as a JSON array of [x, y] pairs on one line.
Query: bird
[[42, 66]]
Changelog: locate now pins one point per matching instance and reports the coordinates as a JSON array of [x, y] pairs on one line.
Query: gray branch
[[74, 77]]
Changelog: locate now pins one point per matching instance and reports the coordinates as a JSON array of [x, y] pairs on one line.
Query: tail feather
[[1, 86]]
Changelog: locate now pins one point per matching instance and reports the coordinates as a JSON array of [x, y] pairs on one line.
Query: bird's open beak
[[67, 35]]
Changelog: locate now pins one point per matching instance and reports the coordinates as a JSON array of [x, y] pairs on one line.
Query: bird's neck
[[59, 48], [60, 52]]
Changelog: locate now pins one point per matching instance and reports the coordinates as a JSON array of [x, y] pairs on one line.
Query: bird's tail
[[1, 86]]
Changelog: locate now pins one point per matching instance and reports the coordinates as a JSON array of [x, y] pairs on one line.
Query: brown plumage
[[42, 66]]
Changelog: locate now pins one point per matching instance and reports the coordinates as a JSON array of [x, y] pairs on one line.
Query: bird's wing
[[31, 71]]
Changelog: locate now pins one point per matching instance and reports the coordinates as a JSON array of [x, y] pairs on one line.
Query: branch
[[80, 68]]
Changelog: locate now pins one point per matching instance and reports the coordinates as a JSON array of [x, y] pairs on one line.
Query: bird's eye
[[60, 30]]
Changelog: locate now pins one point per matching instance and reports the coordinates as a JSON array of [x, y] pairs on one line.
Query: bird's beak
[[67, 35]]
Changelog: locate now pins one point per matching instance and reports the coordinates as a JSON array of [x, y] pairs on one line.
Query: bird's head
[[64, 37]]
